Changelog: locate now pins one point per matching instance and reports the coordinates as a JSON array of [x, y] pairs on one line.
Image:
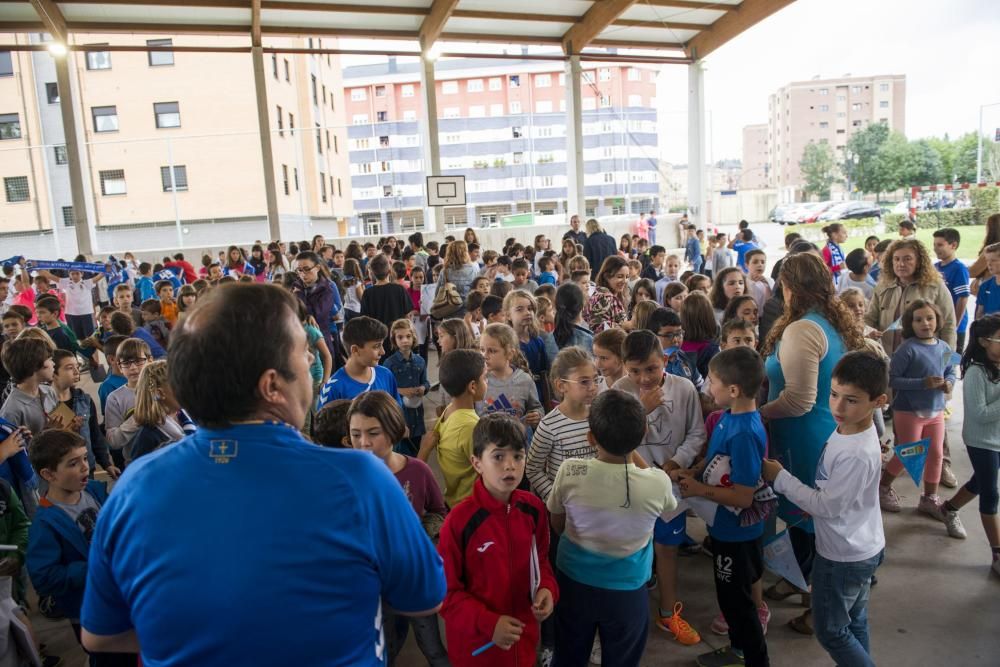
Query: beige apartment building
[[756, 158], [827, 111], [139, 114]]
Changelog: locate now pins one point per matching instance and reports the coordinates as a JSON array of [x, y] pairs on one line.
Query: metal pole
[[173, 194]]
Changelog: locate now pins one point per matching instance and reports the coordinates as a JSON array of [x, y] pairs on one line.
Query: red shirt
[[414, 297], [185, 266], [486, 547]]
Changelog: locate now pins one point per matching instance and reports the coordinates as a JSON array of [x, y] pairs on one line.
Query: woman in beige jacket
[[908, 274]]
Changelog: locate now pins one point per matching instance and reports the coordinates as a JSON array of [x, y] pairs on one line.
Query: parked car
[[790, 216], [852, 210], [812, 211], [778, 212]]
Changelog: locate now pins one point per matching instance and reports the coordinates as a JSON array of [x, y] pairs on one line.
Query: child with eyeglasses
[[119, 423]]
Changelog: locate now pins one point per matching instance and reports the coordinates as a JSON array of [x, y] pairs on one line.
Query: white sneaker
[[595, 651], [954, 524]]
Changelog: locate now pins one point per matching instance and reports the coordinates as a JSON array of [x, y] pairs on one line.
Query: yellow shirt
[[454, 452]]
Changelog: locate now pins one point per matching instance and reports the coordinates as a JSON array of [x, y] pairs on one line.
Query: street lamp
[[979, 145]]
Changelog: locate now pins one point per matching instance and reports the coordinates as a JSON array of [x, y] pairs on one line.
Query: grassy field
[[972, 241]]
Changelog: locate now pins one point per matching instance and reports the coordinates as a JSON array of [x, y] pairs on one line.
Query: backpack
[[447, 301]]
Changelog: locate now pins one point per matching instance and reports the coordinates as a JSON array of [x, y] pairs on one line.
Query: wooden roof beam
[[598, 17], [255, 23], [740, 18], [53, 19], [433, 23]]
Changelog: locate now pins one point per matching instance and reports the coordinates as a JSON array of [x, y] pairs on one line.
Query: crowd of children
[[579, 423]]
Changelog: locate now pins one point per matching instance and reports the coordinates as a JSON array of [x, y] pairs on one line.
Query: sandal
[[802, 624], [774, 592]]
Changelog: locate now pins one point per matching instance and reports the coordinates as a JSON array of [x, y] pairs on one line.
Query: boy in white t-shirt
[[844, 505], [605, 509], [79, 300]]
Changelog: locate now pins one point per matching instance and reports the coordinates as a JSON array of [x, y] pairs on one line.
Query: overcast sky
[[946, 49]]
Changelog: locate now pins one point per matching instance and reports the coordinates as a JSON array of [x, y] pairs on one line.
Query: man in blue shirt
[[245, 544], [692, 249], [956, 276], [651, 225]]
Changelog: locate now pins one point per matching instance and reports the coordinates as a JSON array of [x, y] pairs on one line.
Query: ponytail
[[568, 305]]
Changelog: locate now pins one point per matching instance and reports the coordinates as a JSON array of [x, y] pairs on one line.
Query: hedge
[[985, 202]]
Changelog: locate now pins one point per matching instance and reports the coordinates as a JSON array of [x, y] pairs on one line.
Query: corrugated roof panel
[[348, 20], [512, 28], [139, 13]]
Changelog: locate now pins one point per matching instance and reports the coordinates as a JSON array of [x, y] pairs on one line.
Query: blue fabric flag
[[11, 260], [913, 457], [86, 267], [780, 559]]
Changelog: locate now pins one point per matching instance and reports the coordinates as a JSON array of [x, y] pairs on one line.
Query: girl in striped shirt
[[562, 433]]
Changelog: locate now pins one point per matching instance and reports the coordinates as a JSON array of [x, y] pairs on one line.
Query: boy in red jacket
[[495, 546]]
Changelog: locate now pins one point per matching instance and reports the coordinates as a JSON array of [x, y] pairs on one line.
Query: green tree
[[818, 170], [927, 166], [894, 164], [965, 158], [945, 149], [862, 166]]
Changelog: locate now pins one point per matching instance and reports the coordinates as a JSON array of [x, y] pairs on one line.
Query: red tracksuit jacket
[[486, 547]]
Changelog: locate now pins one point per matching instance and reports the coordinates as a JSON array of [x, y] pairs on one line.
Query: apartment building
[[827, 111], [756, 158], [502, 124], [171, 135]]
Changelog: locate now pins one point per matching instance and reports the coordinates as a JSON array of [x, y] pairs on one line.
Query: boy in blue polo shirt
[[736, 451], [988, 296], [364, 338], [956, 277]]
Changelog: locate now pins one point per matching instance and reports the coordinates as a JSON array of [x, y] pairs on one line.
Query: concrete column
[[266, 153], [74, 155], [575, 201], [697, 200], [470, 215], [430, 139]]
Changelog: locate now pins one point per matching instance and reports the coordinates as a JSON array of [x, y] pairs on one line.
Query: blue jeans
[[840, 608]]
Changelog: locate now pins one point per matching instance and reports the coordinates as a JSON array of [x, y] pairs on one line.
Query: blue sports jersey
[[956, 276], [742, 438], [989, 296], [342, 385], [252, 546]]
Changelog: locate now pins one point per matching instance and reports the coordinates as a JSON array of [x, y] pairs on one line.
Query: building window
[[52, 93], [452, 112], [327, 139], [105, 119], [60, 153], [168, 114], [67, 212], [10, 126], [883, 87], [824, 107], [884, 121], [410, 115], [6, 64], [319, 140], [180, 178], [381, 116], [495, 83], [323, 96], [856, 106], [340, 192], [824, 91], [855, 123], [281, 124], [855, 90], [291, 122], [474, 86], [288, 71], [295, 176], [383, 141], [336, 148], [160, 58], [98, 59], [359, 119], [284, 178], [562, 79], [322, 187], [516, 132], [315, 90], [112, 182], [546, 181], [884, 104], [274, 64], [386, 190], [515, 106], [407, 90], [823, 125], [543, 81], [609, 177], [385, 166], [634, 74], [449, 87], [605, 100], [604, 74], [514, 81], [518, 157], [16, 188]]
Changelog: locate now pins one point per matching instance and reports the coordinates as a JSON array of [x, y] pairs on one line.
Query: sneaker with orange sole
[[680, 628]]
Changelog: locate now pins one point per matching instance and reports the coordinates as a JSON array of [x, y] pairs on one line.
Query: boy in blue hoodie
[[59, 537]]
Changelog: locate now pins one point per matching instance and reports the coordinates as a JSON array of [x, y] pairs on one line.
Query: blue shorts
[[671, 533]]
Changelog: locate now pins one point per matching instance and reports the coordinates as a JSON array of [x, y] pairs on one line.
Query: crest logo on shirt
[[223, 451]]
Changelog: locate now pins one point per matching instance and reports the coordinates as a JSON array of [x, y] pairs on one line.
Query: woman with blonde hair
[[459, 270], [908, 274], [156, 412], [801, 350]]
